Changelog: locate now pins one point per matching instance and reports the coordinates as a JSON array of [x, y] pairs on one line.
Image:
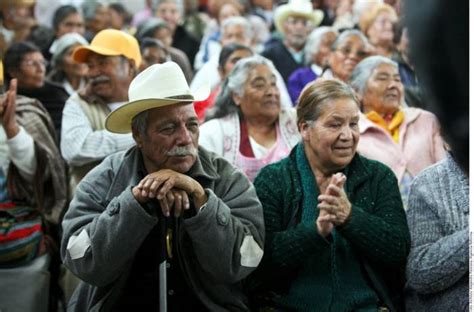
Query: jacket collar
[[411, 114]]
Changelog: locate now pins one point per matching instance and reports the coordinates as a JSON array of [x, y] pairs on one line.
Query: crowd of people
[[234, 155]]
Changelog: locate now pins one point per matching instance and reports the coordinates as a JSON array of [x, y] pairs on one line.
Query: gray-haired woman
[[316, 51], [249, 128], [65, 71], [406, 139], [350, 47]]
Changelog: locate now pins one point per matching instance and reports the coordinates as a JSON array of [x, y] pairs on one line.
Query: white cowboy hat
[[301, 8], [158, 85]]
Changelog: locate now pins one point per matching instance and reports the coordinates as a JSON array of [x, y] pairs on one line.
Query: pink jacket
[[420, 143]]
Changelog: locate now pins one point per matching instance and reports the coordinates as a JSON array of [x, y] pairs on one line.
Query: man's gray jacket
[[105, 226]]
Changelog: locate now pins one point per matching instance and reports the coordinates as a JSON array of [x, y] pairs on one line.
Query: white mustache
[[188, 150], [99, 79]]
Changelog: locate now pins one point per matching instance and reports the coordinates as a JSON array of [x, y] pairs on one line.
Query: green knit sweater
[[376, 235]]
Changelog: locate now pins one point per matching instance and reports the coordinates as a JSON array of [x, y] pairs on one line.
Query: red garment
[[201, 107]]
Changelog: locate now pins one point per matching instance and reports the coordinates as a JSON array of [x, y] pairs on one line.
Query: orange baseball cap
[[110, 42]]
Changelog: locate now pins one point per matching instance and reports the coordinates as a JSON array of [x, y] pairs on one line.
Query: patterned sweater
[[438, 218], [377, 231]]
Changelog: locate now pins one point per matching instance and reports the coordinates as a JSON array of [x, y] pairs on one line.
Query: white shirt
[[80, 144], [20, 150]]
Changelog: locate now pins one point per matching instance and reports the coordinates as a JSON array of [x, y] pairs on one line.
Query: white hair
[[314, 42], [241, 21], [363, 71]]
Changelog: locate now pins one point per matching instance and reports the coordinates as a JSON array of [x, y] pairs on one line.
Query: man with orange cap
[[113, 58]]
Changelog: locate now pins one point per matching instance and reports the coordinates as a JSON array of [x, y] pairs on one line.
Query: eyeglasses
[[346, 51], [37, 63]]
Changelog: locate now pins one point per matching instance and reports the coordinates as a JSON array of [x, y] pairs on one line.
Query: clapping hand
[[334, 205], [8, 111]]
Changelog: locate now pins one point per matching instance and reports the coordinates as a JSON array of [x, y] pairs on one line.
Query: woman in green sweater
[[336, 232]]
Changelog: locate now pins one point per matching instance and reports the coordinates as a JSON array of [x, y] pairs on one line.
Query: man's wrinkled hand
[[171, 189]]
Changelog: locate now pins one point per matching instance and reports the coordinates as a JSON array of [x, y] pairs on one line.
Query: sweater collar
[[356, 171]]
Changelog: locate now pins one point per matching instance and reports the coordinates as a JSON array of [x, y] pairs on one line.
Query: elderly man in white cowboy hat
[[163, 200], [294, 21]]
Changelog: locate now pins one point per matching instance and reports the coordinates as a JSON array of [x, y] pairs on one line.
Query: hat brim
[[120, 120], [81, 53], [315, 17]]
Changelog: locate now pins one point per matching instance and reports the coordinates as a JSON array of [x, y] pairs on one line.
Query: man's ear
[[132, 68], [137, 137]]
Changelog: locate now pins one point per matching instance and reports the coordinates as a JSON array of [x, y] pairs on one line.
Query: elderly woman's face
[[261, 97], [381, 30], [321, 57], [346, 56], [331, 140], [384, 90], [31, 72], [71, 67]]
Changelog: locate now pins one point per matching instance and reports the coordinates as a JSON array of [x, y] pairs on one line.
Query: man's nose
[[184, 136]]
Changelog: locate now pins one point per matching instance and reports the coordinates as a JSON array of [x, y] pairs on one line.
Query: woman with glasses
[[25, 62], [350, 47], [249, 128]]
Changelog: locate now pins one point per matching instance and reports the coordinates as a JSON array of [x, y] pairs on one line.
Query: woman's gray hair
[[314, 42], [347, 33], [238, 21], [363, 71], [234, 85]]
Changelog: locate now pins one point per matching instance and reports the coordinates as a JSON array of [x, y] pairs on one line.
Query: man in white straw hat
[[294, 21], [163, 200]]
